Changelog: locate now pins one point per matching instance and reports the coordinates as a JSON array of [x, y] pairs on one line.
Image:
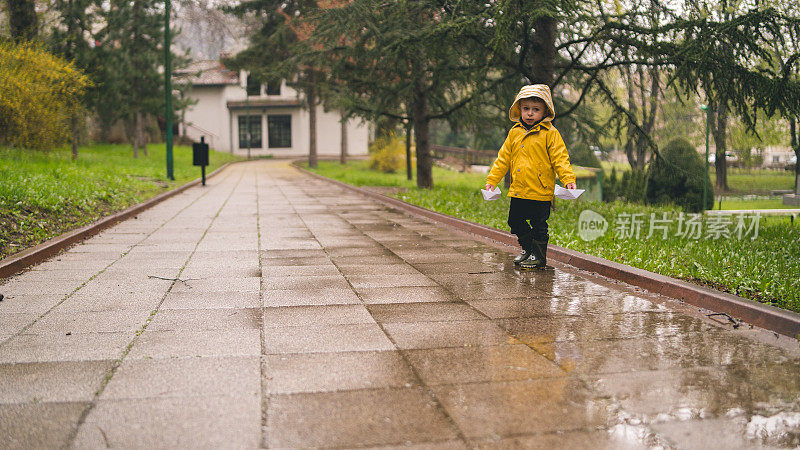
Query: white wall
[[211, 118]]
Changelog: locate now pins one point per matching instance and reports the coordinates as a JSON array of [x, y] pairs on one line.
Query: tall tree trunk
[[75, 125], [343, 142], [631, 132], [544, 47], [133, 133], [409, 125], [419, 113], [73, 34], [719, 129], [142, 134], [22, 19], [311, 99], [796, 147]]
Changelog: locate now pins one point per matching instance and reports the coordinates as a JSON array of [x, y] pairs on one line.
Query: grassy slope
[[43, 194], [765, 269]]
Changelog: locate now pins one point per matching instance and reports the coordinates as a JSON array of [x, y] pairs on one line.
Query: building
[[228, 101]]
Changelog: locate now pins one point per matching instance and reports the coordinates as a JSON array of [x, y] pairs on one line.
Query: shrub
[[39, 93], [387, 154], [630, 187], [581, 154], [677, 177]]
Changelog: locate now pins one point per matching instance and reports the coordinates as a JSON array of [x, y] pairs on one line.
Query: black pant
[[524, 210]]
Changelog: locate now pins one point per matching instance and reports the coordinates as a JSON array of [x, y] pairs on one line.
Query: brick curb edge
[[768, 317], [34, 255]]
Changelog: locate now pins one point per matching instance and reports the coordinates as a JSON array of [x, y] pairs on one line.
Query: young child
[[534, 152]]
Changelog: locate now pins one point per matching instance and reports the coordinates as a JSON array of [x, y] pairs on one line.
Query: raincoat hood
[[541, 91]]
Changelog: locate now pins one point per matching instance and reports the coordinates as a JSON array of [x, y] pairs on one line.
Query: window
[[274, 87], [255, 132], [280, 131], [253, 86], [776, 159]]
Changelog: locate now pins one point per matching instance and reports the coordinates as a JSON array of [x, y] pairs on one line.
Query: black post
[[203, 171]]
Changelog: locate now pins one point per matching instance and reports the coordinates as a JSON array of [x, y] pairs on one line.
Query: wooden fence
[[466, 156]]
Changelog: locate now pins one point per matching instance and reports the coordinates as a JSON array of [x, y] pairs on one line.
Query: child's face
[[532, 110]]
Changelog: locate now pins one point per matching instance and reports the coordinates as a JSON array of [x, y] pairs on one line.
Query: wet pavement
[[272, 309]]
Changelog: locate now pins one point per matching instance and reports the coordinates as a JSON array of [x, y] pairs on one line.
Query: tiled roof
[[207, 73]]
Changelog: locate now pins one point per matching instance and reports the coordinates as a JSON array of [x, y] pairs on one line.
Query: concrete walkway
[[270, 309]]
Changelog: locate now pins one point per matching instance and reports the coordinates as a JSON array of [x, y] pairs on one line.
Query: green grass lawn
[[739, 203], [740, 181], [757, 181], [44, 194], [766, 269]]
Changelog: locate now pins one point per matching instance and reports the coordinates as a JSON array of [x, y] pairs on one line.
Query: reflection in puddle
[[781, 429]]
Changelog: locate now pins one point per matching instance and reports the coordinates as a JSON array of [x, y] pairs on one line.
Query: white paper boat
[[491, 195], [568, 194]]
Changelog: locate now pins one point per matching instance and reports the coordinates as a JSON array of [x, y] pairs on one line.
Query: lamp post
[[705, 177], [168, 88], [247, 119]]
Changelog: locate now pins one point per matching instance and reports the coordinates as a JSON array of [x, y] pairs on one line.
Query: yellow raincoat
[[534, 157]]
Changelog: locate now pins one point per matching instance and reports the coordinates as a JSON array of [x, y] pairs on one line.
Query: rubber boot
[[538, 258], [543, 252], [526, 242]]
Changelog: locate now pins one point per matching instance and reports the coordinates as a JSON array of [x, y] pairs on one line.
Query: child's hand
[[489, 187], [571, 186]]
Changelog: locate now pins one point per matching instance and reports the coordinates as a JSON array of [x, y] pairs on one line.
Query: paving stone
[[424, 312], [355, 418], [221, 284], [88, 299], [679, 351], [199, 343], [38, 425], [210, 300], [301, 271], [406, 294], [56, 347], [205, 319], [306, 282], [536, 330], [447, 334], [557, 404], [485, 363], [389, 281], [321, 372], [185, 377], [565, 306], [366, 259], [684, 394], [315, 315], [29, 305], [62, 320], [67, 381], [383, 269], [325, 338], [12, 323], [309, 297], [188, 422]]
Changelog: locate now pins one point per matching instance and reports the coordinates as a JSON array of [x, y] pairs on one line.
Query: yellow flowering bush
[[387, 154], [39, 93]]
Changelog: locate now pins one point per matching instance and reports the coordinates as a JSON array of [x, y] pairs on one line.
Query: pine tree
[[132, 54], [396, 60], [69, 38]]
